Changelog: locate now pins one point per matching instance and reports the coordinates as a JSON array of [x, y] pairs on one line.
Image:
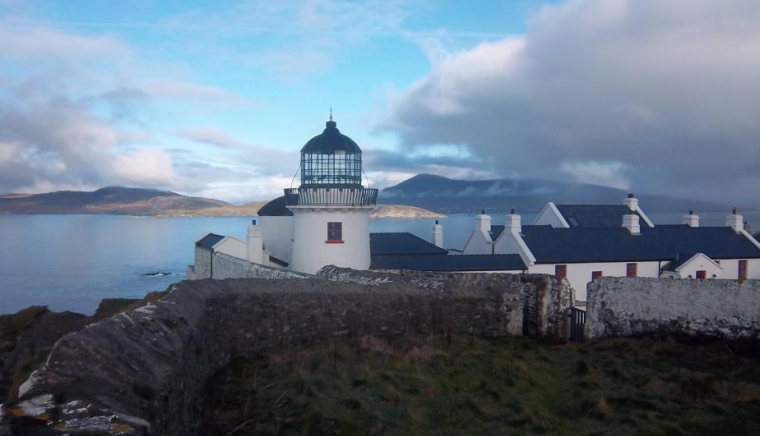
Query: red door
[[702, 274]]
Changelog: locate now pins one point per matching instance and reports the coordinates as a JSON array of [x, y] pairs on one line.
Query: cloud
[[640, 93], [211, 135]]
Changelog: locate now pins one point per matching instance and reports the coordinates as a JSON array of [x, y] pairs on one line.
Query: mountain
[[446, 195], [117, 200]]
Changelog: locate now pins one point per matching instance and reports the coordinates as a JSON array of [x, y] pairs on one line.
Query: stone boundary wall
[[145, 372], [627, 306]]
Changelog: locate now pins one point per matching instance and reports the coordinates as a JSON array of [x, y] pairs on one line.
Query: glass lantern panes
[[339, 168]]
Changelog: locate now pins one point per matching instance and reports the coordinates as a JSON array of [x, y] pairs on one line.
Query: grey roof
[[599, 215], [275, 207], [278, 261], [330, 141], [680, 259], [454, 262], [664, 242], [401, 243], [209, 241], [496, 231]]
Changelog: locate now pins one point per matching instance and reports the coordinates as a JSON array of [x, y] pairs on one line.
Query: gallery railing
[[331, 197]]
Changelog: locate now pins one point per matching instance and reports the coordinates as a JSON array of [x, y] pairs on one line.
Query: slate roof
[[680, 259], [454, 262], [594, 216], [209, 241], [401, 243], [330, 141], [664, 242], [496, 231], [275, 207], [277, 261]]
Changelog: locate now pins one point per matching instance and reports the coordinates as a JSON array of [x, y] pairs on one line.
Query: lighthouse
[[331, 207]]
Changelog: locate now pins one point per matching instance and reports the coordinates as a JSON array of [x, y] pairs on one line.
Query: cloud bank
[[627, 93]]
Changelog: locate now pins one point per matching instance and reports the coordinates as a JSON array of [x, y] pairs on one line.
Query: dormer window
[[334, 233]]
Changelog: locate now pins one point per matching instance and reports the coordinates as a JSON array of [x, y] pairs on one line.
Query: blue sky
[[215, 99]]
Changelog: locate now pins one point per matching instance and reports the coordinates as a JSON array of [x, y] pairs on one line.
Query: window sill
[[334, 241]]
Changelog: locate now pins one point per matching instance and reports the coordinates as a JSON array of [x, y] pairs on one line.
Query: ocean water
[[71, 262]]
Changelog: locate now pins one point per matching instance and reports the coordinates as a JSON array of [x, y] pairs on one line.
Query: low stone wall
[[145, 372], [637, 306]]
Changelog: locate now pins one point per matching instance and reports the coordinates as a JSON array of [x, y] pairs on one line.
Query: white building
[[325, 221], [582, 242]]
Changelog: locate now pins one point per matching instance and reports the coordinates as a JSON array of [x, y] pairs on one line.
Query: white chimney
[[438, 234], [735, 221], [255, 244], [513, 221], [483, 221], [632, 202], [691, 220], [631, 222]]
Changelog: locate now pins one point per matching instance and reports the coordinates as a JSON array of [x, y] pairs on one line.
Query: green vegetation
[[12, 325], [475, 386]]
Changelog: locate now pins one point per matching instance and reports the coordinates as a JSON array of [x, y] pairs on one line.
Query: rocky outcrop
[[143, 373], [26, 338], [638, 306]]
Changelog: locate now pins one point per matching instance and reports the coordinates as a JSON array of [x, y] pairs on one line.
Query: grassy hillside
[[474, 386]]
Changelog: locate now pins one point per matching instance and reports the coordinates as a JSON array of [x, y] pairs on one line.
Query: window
[[334, 233], [742, 270], [560, 271], [701, 274], [595, 274], [631, 270]]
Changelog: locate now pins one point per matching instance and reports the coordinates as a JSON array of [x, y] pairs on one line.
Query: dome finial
[[331, 113]]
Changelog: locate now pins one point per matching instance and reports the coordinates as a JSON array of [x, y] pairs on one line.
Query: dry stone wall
[[630, 306], [145, 372]]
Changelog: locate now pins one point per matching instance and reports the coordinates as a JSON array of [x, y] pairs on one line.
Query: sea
[[71, 262]]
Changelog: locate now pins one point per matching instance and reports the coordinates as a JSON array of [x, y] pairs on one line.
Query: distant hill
[[119, 200], [445, 195]]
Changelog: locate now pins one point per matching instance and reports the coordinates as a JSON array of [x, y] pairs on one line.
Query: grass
[[469, 385]]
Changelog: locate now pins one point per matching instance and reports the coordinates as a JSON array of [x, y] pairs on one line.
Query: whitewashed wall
[[311, 252], [277, 232], [579, 274], [232, 246]]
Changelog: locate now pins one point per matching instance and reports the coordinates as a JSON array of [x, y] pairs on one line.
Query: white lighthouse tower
[[331, 207]]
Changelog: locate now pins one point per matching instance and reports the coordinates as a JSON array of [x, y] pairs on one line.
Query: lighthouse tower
[[331, 207]]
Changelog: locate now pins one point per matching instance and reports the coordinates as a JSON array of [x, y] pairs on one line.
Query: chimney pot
[[512, 211], [482, 211], [630, 195], [691, 212], [436, 221], [734, 211]]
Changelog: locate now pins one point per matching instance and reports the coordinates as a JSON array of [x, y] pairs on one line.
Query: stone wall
[[144, 372], [623, 306]]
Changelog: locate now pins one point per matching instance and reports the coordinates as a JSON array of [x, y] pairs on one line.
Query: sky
[[215, 99]]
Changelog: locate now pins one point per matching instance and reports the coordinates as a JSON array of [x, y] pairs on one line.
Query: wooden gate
[[577, 324]]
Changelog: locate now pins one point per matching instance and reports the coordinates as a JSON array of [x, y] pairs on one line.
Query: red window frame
[[701, 274], [334, 233], [631, 270], [596, 275], [742, 274], [560, 271]]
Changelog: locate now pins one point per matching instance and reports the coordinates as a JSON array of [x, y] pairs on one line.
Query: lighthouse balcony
[[331, 196]]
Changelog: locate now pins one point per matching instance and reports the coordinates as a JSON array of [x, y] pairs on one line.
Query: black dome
[[330, 141], [275, 207]]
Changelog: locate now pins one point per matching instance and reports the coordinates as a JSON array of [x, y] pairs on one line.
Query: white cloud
[[664, 89], [144, 167]]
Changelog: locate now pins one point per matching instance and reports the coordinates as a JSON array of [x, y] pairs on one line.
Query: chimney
[[631, 222], [632, 202], [483, 221], [513, 222], [691, 220], [438, 234], [255, 243], [735, 221]]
